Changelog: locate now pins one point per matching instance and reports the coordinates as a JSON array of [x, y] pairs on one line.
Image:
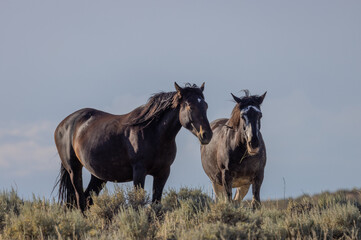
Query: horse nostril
[[254, 143], [204, 136]]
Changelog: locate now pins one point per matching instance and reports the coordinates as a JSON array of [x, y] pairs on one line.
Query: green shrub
[[213, 231], [173, 199], [227, 213], [106, 206], [133, 223], [327, 200], [299, 207], [339, 220], [36, 220], [186, 214], [137, 197], [41, 219], [9, 203], [73, 225]]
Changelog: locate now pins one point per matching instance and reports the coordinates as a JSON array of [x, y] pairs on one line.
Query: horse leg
[[241, 192], [256, 188], [77, 181], [227, 183], [73, 168], [139, 174], [158, 185], [219, 191], [95, 186]]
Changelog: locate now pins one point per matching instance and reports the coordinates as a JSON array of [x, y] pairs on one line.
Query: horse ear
[[178, 88], [261, 98], [202, 87], [237, 99]]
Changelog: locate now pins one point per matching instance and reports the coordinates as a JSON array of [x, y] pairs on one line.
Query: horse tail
[[66, 193]]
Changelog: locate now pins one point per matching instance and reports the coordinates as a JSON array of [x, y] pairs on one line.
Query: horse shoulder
[[220, 146]]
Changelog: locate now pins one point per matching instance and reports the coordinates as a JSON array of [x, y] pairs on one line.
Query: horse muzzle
[[204, 136], [252, 150]]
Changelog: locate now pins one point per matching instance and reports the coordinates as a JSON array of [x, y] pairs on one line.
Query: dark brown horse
[[236, 155], [122, 148]]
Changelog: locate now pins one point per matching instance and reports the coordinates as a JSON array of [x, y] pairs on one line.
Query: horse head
[[193, 111], [250, 120]]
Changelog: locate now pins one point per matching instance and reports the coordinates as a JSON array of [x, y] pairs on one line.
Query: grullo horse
[[236, 155]]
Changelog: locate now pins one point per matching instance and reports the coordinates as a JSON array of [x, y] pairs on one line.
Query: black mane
[[249, 100], [160, 102]]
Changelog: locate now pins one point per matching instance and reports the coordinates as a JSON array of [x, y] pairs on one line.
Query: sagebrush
[[184, 214]]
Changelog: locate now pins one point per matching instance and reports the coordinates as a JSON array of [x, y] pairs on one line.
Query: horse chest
[[244, 171], [165, 154]]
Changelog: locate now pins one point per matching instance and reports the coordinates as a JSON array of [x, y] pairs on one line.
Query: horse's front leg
[[256, 189], [219, 191], [158, 184], [139, 174], [227, 183]]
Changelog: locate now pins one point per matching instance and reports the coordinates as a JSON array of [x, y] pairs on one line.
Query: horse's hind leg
[[77, 181], [241, 192], [95, 186], [72, 171]]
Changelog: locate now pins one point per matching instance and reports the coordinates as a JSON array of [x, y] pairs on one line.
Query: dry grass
[[186, 214]]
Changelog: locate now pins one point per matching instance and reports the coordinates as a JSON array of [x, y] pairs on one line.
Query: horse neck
[[236, 138], [168, 125]]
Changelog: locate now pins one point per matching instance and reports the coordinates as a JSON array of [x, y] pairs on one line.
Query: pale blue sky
[[57, 57]]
